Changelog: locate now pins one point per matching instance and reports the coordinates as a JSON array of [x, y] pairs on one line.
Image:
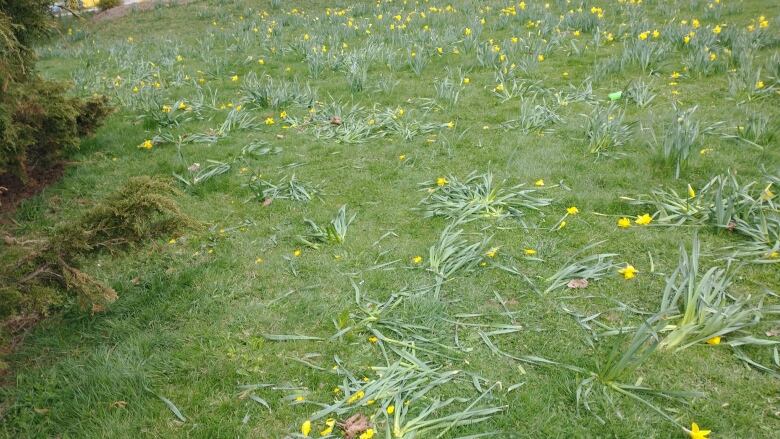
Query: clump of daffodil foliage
[[746, 209], [46, 272]]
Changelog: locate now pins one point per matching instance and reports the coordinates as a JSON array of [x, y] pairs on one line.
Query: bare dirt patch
[[14, 190], [121, 11]]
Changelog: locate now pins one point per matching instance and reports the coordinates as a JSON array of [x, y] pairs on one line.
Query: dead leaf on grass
[[354, 425]]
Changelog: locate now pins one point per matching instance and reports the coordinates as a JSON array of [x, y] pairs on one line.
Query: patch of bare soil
[[121, 11], [13, 190]]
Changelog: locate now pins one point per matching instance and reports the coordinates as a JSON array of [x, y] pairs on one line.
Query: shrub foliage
[[105, 5], [144, 208], [38, 121]]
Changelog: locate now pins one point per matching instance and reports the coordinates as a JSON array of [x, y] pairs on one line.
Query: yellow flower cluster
[[357, 396]]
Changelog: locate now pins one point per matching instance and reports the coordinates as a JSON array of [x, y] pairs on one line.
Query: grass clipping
[[144, 208]]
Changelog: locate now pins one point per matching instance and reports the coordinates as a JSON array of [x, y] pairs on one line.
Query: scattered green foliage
[[479, 197], [269, 113], [609, 378], [700, 306], [586, 268], [452, 254], [335, 232], [606, 129]]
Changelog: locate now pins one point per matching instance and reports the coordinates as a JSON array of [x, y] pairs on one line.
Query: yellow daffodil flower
[[697, 433], [644, 219], [329, 424], [628, 272], [714, 341], [767, 193], [356, 396]]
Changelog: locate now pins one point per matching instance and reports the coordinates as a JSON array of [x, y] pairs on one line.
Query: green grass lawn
[[378, 106]]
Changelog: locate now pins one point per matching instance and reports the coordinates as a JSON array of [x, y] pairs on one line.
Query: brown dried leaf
[[774, 332], [354, 425], [267, 202], [118, 404], [335, 120], [612, 317], [577, 283]]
